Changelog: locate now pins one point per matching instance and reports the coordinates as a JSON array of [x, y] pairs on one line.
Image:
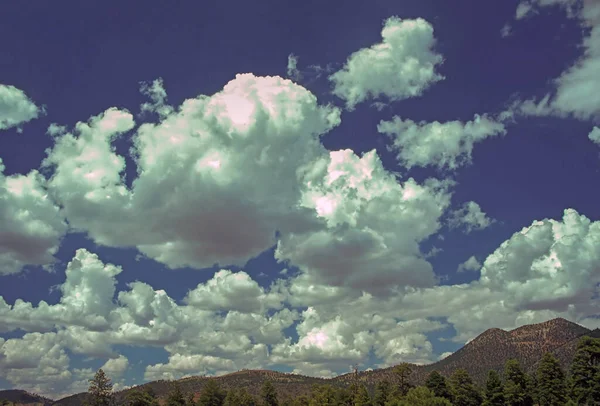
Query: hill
[[21, 397], [488, 351]]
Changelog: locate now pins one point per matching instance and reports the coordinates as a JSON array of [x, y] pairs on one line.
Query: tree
[[362, 397], [382, 393], [268, 394], [175, 396], [403, 373], [212, 394], [100, 390], [585, 372], [516, 387], [140, 398], [464, 392], [437, 383], [322, 395], [420, 396], [551, 388], [494, 390]]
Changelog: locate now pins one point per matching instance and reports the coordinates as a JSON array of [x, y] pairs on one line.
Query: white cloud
[[401, 66], [31, 226], [471, 217], [15, 107], [292, 68], [471, 264], [577, 90], [235, 155], [361, 207], [594, 135], [116, 367], [445, 145]]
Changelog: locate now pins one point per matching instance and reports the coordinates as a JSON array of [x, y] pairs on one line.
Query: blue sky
[[385, 181]]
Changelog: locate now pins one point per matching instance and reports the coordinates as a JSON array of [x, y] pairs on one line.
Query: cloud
[[31, 225], [471, 264], [403, 65], [229, 163], [361, 207], [15, 107], [292, 68], [445, 145], [116, 367], [577, 90], [471, 217], [594, 135]]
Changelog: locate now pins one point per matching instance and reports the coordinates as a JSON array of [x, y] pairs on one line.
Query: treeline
[[548, 386]]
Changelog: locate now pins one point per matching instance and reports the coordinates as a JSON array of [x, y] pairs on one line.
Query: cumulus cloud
[[31, 225], [446, 145], [216, 179], [292, 68], [15, 107], [594, 135], [577, 90], [471, 264], [116, 367], [470, 217], [403, 65], [361, 207]]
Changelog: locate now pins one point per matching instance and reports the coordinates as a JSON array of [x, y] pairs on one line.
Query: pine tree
[[175, 396], [403, 373], [437, 383], [551, 388], [246, 399], [362, 397], [100, 390], [494, 390], [268, 394], [585, 372], [420, 396], [516, 387], [464, 392], [140, 398], [382, 393], [212, 394]]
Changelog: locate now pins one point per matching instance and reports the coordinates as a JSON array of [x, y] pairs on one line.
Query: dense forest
[[549, 385]]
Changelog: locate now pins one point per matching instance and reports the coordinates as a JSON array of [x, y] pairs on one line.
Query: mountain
[[490, 350], [21, 397]]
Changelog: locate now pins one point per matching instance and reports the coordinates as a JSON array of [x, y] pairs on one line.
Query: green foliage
[[140, 398], [175, 396], [419, 396], [239, 398], [362, 397], [100, 390], [494, 390], [585, 372], [383, 392], [437, 383], [268, 394], [212, 394], [463, 390], [516, 385], [551, 388], [403, 373], [322, 395]]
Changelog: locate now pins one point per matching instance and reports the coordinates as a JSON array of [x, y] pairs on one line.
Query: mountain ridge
[[487, 351]]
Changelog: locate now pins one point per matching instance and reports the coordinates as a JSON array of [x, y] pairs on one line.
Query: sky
[[195, 189]]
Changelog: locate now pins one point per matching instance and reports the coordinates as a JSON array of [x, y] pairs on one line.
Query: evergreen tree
[[464, 392], [551, 388], [362, 397], [403, 373], [419, 396], [140, 398], [322, 395], [175, 396], [212, 394], [494, 390], [268, 394], [516, 387], [189, 400], [100, 390], [585, 372], [382, 393], [437, 383], [246, 399], [232, 398]]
